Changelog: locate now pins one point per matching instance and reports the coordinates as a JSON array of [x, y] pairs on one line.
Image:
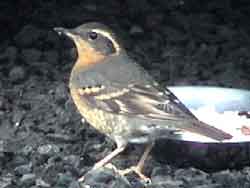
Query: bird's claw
[[126, 171], [136, 170]]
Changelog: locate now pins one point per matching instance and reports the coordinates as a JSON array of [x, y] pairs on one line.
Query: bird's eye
[[92, 35]]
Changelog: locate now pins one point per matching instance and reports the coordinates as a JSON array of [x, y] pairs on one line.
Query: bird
[[119, 98]]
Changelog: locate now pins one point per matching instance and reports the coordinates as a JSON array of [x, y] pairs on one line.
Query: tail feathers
[[204, 129]]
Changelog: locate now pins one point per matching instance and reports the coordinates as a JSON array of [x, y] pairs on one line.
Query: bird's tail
[[204, 129]]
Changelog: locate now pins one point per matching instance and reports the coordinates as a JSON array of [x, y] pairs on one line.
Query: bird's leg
[[139, 167], [106, 159], [109, 157]]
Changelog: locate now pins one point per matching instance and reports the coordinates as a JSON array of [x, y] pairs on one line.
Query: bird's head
[[94, 42]]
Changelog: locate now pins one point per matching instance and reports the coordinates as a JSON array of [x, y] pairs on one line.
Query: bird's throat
[[87, 56]]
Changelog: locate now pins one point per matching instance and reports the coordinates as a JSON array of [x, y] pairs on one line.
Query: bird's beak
[[61, 31]]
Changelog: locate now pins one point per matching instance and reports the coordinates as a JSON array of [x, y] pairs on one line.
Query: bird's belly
[[104, 122]]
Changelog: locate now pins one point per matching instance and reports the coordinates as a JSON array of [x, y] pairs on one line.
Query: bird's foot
[[137, 170]]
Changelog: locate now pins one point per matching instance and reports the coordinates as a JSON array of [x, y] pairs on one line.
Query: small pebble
[[6, 181], [17, 74], [10, 53], [26, 150], [41, 183], [31, 55], [48, 149], [51, 56], [23, 169], [73, 160], [99, 177], [28, 180], [28, 35], [136, 30]]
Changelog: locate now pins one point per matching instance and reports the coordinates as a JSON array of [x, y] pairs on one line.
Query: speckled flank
[[103, 121]]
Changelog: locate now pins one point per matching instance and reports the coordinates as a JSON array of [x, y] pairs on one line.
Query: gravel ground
[[43, 142]]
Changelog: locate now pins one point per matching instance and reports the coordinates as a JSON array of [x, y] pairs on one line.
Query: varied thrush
[[120, 99]]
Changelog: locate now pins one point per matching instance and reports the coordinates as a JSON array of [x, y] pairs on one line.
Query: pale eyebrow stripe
[[107, 34]]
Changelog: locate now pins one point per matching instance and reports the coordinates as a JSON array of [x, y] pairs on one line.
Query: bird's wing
[[149, 103], [144, 101]]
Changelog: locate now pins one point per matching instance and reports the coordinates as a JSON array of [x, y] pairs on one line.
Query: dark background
[[191, 42]]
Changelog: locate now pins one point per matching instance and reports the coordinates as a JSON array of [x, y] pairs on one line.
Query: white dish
[[219, 107]]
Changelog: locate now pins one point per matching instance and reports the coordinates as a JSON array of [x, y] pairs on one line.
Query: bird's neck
[[87, 59]]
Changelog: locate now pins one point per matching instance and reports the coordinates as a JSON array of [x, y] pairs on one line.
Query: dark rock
[[23, 169], [61, 91], [18, 116], [48, 149], [75, 184], [3, 101], [134, 30], [170, 5], [10, 53], [51, 57], [64, 180], [190, 173], [214, 185], [17, 74], [6, 181], [54, 161], [28, 36], [61, 138], [154, 20], [2, 145], [31, 55], [90, 7], [162, 170], [73, 160], [41, 183], [136, 8], [27, 180], [27, 150], [104, 177], [19, 160], [51, 40], [166, 181], [231, 179]]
